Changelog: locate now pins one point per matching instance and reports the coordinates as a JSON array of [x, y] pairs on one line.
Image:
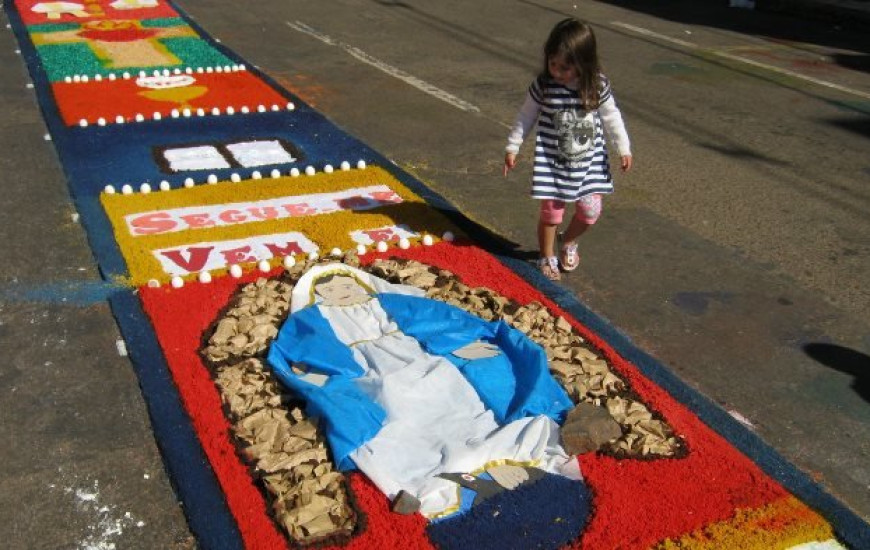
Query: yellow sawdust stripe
[[328, 231], [777, 526]]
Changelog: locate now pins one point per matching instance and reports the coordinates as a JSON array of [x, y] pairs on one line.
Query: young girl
[[574, 107]]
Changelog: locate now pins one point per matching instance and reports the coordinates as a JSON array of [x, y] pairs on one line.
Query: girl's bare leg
[[575, 229], [547, 239]]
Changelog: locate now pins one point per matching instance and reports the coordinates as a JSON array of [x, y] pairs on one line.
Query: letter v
[[195, 261]]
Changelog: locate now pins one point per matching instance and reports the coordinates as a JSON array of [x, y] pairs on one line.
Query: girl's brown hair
[[574, 41]]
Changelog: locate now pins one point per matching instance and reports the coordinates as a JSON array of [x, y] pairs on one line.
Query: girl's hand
[[510, 160], [626, 163]]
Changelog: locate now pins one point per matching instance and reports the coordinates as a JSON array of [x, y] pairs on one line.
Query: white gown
[[436, 422]]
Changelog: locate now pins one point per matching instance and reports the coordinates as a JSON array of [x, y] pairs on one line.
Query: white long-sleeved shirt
[[611, 119]]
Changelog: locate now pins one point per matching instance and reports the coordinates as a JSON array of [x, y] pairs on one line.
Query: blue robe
[[514, 384]]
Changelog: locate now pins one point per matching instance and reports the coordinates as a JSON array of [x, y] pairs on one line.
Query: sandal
[[549, 267], [569, 258]]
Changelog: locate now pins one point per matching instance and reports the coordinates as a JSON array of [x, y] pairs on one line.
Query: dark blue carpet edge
[[189, 472], [192, 477]]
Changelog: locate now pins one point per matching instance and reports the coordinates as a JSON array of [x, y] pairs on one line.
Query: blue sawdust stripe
[[546, 514], [71, 293]]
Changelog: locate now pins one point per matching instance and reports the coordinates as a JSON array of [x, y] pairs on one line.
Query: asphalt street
[[737, 252]]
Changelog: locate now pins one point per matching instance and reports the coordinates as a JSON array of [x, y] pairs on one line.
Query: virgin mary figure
[[416, 393]]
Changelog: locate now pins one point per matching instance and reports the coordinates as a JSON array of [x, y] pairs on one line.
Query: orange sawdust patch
[[782, 524]]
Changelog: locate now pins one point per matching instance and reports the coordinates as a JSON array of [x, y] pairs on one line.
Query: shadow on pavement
[[774, 26], [844, 360]]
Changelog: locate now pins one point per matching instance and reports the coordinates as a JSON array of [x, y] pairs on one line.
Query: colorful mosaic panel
[[117, 46], [187, 231], [195, 95]]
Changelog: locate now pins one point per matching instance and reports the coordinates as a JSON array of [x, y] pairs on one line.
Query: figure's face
[[341, 291], [562, 72]]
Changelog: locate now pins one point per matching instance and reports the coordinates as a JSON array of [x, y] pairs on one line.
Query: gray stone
[[405, 504], [588, 427]]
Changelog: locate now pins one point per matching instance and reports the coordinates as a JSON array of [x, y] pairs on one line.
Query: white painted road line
[[389, 69], [732, 57]]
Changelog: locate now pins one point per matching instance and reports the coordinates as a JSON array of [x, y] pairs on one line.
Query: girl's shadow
[[844, 360]]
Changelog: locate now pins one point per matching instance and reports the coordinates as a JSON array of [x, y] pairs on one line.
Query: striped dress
[[570, 153]]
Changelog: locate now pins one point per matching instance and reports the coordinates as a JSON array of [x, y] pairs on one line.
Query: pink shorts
[[587, 210]]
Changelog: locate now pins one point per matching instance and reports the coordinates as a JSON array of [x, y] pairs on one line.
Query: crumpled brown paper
[[309, 498]]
